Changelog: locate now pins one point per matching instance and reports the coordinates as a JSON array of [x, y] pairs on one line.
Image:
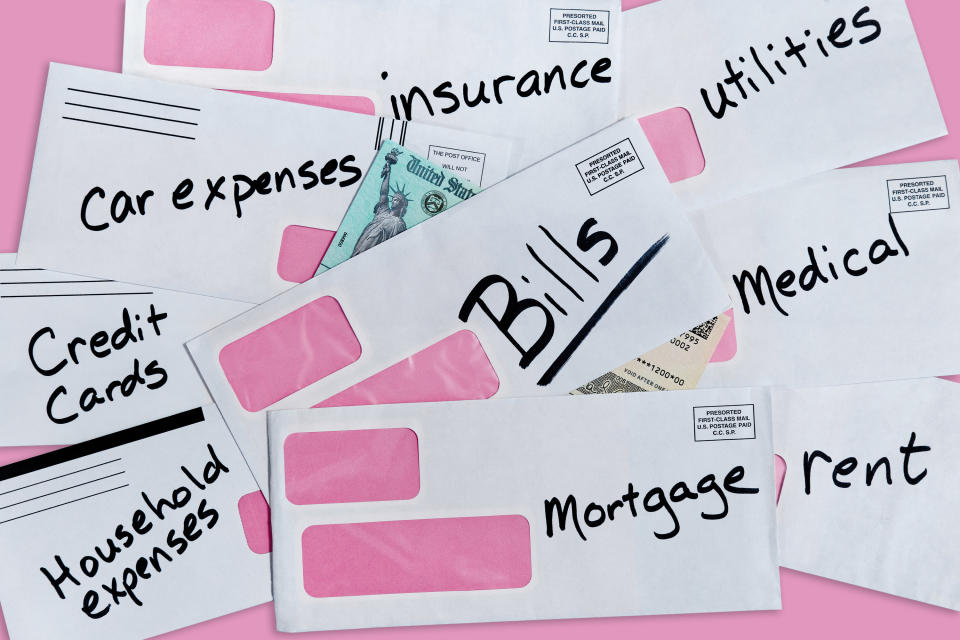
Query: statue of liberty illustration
[[387, 213]]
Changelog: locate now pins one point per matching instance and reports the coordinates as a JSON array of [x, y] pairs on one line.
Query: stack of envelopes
[[222, 301]]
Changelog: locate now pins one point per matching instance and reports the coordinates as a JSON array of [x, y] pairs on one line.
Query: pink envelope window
[[290, 353]]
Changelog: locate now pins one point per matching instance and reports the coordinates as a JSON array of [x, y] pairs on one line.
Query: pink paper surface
[[456, 368], [365, 465], [727, 347], [675, 143], [255, 519], [290, 353], [301, 249], [227, 34], [90, 33], [417, 556]]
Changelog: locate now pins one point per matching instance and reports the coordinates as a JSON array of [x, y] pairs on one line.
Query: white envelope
[[523, 509], [872, 494], [505, 51], [130, 364], [868, 95], [579, 261], [824, 325], [157, 154], [129, 535]]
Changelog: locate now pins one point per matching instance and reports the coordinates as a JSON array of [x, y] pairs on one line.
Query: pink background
[[90, 33]]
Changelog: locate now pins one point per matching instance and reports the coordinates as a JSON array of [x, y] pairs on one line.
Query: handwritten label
[[848, 465]]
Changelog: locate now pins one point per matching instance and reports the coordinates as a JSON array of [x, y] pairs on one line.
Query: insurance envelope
[[523, 509], [202, 191], [534, 286]]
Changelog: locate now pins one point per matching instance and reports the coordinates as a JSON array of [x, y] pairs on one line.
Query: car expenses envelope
[[523, 509], [534, 286], [84, 357], [840, 278], [204, 191], [871, 494], [129, 535], [541, 75], [778, 91]]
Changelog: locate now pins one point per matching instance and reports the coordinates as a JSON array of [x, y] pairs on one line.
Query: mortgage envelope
[[206, 191], [534, 286], [130, 535], [840, 278], [871, 494], [777, 91], [521, 509], [84, 357], [541, 75]]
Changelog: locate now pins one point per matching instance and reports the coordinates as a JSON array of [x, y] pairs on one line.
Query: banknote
[[401, 190], [678, 364]]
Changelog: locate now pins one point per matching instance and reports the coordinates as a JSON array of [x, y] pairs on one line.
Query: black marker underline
[[129, 113], [13, 504], [120, 126], [92, 495], [27, 486], [113, 95], [618, 290]]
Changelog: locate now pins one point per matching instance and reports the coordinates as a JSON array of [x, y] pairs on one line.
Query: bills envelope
[[129, 535], [543, 76], [84, 357], [523, 509], [871, 494], [840, 278], [531, 287], [779, 90], [197, 190]]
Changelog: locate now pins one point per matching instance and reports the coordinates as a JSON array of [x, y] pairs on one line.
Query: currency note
[[401, 190], [678, 364]]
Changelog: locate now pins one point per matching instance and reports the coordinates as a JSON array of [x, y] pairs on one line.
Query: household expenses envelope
[[206, 191], [872, 494], [534, 286], [777, 91], [540, 75], [84, 357], [522, 509], [129, 535], [840, 278]]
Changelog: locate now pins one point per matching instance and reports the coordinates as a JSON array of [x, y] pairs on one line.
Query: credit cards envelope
[[777, 91], [129, 535], [84, 357], [534, 286], [871, 494], [538, 74], [839, 279], [202, 191], [522, 509]]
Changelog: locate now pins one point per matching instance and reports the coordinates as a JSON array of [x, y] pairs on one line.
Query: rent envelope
[[84, 357], [541, 75], [841, 278], [872, 494], [130, 535], [204, 191], [522, 509], [534, 286], [779, 90]]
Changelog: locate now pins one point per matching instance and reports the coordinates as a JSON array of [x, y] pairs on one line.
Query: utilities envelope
[[129, 535], [841, 278], [84, 357], [872, 494], [523, 509], [541, 75], [779, 90], [193, 190], [534, 286]]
